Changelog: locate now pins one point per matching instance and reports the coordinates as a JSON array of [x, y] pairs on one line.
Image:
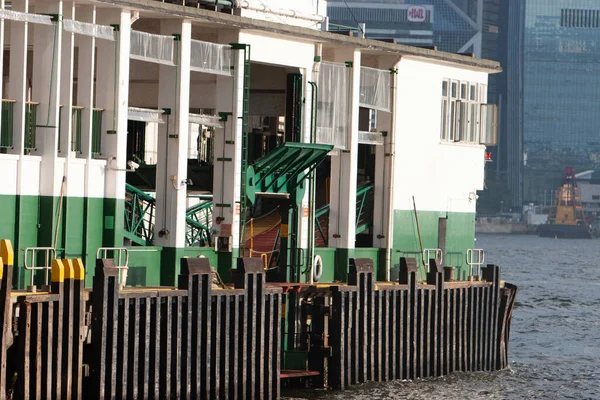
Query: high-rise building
[[454, 26], [552, 71]]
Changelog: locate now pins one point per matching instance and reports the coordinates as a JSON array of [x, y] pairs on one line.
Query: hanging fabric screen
[[87, 29], [152, 48], [332, 106], [25, 17], [212, 58], [206, 120], [375, 89], [145, 115]]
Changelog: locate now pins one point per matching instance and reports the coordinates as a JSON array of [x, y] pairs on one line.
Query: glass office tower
[[449, 25], [561, 92]]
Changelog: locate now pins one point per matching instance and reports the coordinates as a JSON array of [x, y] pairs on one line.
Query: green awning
[[283, 170]]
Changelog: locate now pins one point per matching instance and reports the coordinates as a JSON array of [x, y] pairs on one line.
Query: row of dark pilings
[[381, 331], [196, 341]]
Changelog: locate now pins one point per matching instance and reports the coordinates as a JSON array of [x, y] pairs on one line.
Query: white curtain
[[212, 58], [332, 106], [84, 28], [375, 89], [152, 48]]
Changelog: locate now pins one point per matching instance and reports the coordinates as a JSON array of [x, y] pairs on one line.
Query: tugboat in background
[[566, 219]]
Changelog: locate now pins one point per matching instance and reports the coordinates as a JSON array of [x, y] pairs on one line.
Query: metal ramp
[[283, 171], [364, 215], [140, 214]]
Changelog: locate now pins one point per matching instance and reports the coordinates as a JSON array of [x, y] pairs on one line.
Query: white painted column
[[46, 85], [342, 214], [383, 153], [85, 91], [85, 79], [113, 79], [228, 153], [303, 212], [66, 89], [17, 83], [171, 168], [2, 4]]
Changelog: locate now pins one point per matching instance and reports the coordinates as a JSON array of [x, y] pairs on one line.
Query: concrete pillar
[[227, 165], [17, 84], [46, 86], [66, 89], [2, 3], [383, 210], [173, 137], [304, 223], [113, 78], [85, 82], [342, 214], [93, 191]]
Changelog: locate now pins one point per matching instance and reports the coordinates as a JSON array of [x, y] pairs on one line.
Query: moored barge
[[221, 200]]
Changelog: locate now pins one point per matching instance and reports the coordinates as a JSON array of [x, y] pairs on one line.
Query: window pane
[[444, 124]]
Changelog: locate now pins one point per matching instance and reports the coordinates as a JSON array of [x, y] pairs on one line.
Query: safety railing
[[198, 221], [139, 216], [435, 254], [97, 131], [120, 255], [76, 128], [31, 262], [475, 259], [6, 130], [31, 126], [364, 207]]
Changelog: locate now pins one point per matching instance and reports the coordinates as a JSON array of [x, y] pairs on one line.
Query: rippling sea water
[[554, 348]]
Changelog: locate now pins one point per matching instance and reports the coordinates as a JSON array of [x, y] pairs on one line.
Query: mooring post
[[408, 276], [105, 302], [249, 275], [78, 321], [361, 276], [67, 337], [491, 273], [435, 277], [196, 278], [54, 350], [6, 338]]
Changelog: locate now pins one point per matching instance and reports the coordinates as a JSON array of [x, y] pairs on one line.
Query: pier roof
[[307, 34]]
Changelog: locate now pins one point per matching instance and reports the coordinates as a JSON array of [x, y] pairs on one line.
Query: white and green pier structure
[[126, 125]]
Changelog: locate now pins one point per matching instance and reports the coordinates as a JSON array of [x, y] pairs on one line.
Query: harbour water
[[555, 336]]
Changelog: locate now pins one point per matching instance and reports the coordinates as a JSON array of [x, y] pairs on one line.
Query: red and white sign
[[416, 13]]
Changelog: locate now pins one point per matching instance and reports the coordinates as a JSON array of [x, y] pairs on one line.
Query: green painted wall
[[328, 256], [460, 235], [144, 266]]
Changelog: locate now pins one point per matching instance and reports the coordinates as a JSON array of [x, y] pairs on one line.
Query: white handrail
[[50, 254], [437, 255], [475, 258], [122, 265]]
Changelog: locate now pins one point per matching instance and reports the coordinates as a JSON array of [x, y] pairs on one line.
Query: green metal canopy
[[283, 170]]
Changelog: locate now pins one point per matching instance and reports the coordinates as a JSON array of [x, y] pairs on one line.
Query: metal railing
[[436, 254], [364, 207], [139, 216], [31, 258], [76, 129], [198, 221], [31, 126], [121, 257], [6, 130], [97, 131], [475, 259]]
